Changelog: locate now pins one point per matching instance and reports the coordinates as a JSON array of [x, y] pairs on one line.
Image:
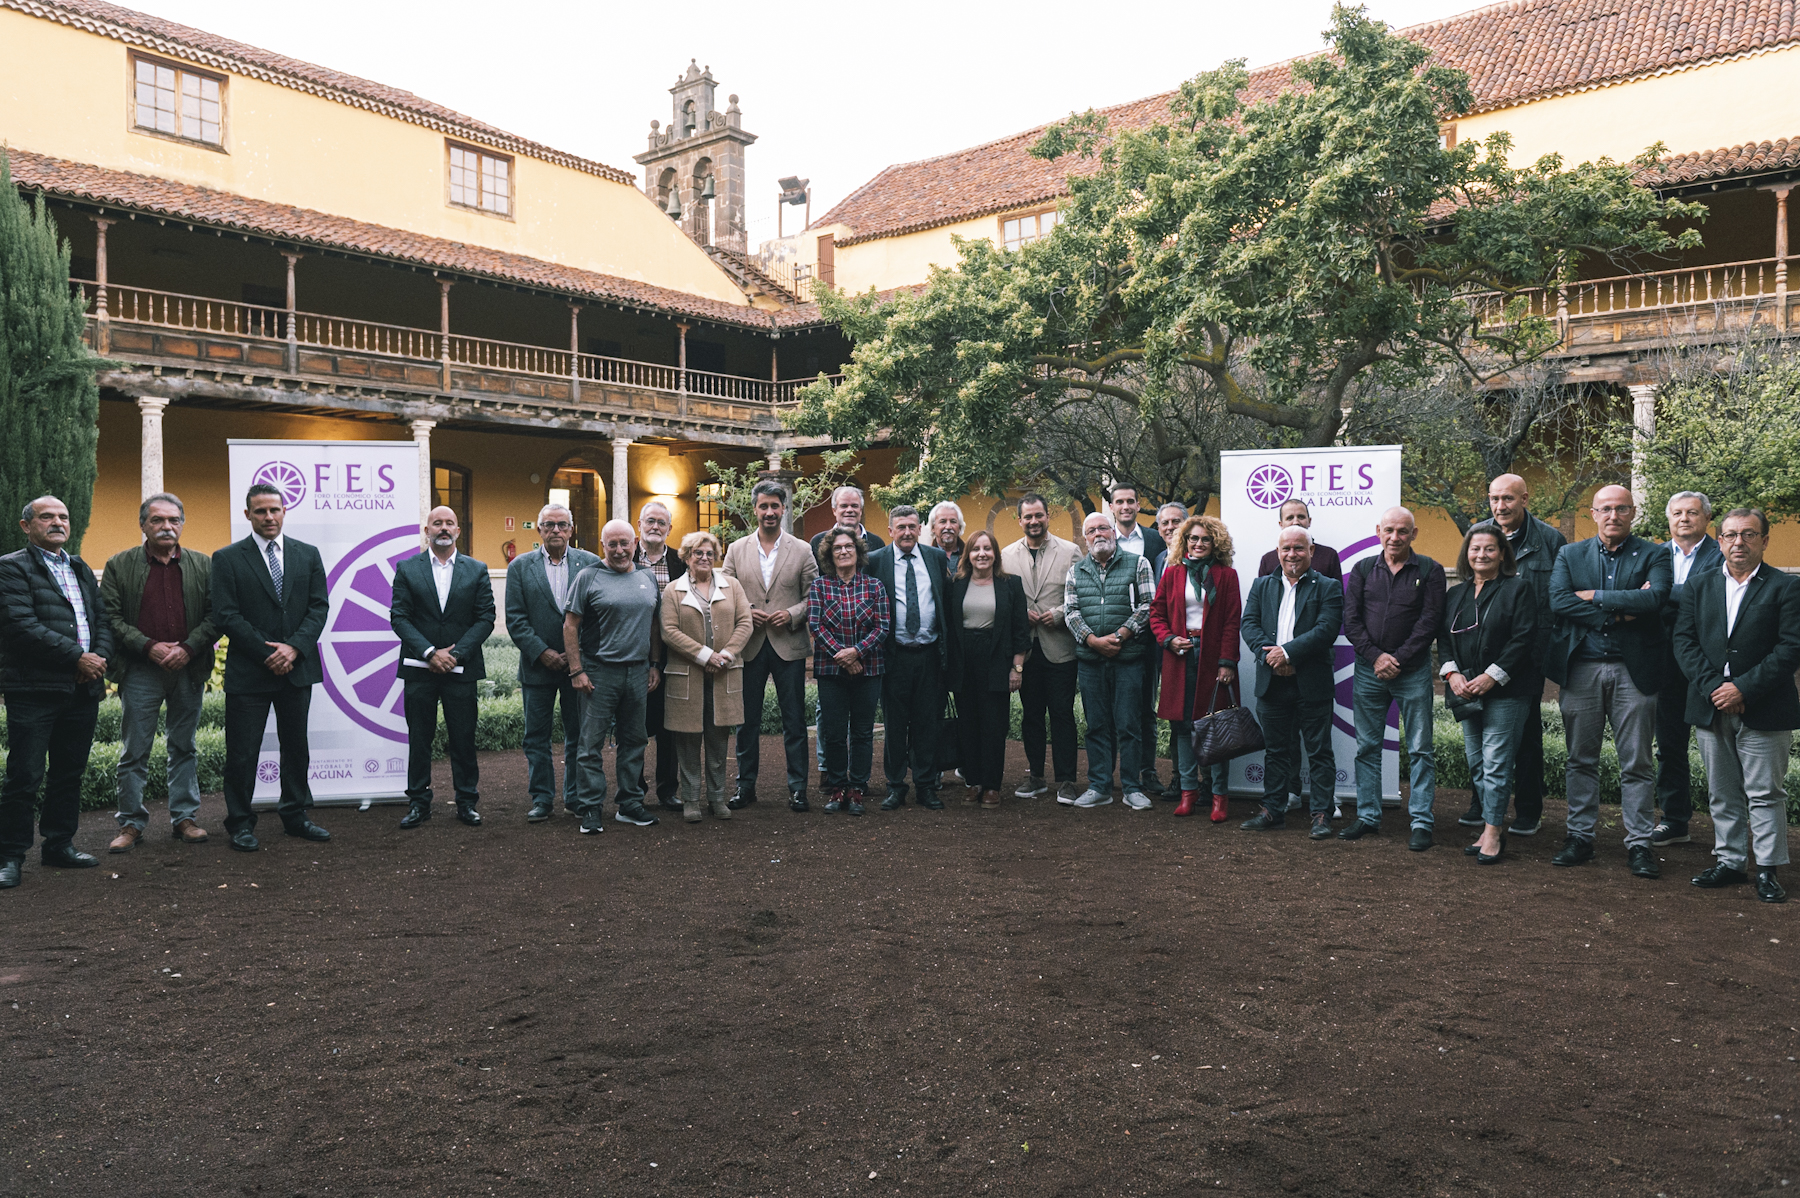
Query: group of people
[[1144, 622]]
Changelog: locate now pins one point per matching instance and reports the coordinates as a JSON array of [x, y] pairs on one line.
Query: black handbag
[[1227, 732], [1462, 708]]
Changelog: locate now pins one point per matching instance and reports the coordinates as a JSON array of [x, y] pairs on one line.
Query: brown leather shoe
[[990, 800], [126, 840], [189, 832]]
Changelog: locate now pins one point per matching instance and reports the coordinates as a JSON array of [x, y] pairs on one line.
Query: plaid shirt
[[659, 567], [64, 573], [846, 615]]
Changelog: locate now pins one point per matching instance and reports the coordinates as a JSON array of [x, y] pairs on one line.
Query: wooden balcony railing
[[168, 310], [1723, 282]]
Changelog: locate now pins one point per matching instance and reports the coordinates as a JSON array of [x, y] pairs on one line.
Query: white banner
[[1346, 491], [358, 503]]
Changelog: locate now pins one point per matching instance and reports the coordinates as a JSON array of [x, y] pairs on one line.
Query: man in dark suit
[[443, 610], [1738, 641], [1325, 558], [1607, 595], [54, 645], [1145, 541], [920, 650], [665, 565], [1291, 622], [1691, 554], [538, 584], [268, 599]]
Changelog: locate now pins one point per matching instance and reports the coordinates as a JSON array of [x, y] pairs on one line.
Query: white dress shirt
[[262, 552], [1734, 599], [1132, 539], [766, 559], [442, 573], [1683, 561], [927, 607], [1284, 623]]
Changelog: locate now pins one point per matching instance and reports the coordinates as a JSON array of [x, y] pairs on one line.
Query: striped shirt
[[63, 570], [846, 615]]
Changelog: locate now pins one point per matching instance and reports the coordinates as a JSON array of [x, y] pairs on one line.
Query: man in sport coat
[[920, 651], [268, 599], [443, 610], [1291, 622], [776, 570], [537, 593], [1691, 554], [1738, 641], [54, 645], [1607, 595]]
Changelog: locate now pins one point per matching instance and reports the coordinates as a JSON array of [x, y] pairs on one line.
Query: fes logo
[[1269, 486], [359, 650], [284, 477]]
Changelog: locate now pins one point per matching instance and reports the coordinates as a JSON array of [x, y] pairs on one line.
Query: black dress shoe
[[306, 830], [9, 874], [244, 841], [1643, 862], [928, 799], [1267, 821], [668, 802], [468, 815], [1768, 889], [1419, 841], [415, 815], [1358, 829], [1574, 851], [1482, 858], [1321, 827], [538, 814], [741, 800], [796, 802], [1720, 875], [1472, 818], [893, 802], [68, 857]]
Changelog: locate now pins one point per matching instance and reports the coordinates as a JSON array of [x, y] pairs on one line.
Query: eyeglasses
[[1623, 509], [1455, 631], [553, 525], [1742, 534]]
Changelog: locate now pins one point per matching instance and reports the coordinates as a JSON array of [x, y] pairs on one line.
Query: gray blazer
[[533, 619]]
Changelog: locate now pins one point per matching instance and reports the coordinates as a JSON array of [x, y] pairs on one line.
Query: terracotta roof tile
[[1751, 158], [207, 49], [1513, 52], [219, 209]]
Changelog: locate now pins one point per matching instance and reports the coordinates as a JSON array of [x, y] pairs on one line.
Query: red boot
[[1220, 810], [1190, 799]]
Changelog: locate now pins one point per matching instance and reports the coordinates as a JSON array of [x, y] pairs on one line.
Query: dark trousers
[[912, 707], [982, 720], [48, 736], [1047, 691], [1528, 772], [458, 697], [540, 720], [847, 728], [790, 700], [1292, 726], [1152, 680], [246, 715], [667, 780], [1674, 776]]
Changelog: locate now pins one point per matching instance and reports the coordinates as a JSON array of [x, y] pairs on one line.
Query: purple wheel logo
[[359, 650], [1269, 486], [268, 771], [1253, 773], [284, 477]]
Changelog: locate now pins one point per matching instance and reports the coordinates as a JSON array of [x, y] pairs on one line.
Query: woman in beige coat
[[705, 624]]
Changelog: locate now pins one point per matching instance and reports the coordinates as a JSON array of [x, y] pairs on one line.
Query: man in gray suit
[[537, 591]]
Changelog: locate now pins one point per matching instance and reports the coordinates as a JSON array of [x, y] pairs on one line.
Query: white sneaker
[[1031, 788], [1137, 800], [1093, 798]]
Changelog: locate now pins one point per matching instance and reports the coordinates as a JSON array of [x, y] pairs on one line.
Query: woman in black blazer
[[1485, 644], [990, 604]]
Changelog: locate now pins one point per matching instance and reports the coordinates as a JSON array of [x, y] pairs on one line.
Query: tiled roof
[[1514, 52], [207, 49], [303, 226], [1751, 158]]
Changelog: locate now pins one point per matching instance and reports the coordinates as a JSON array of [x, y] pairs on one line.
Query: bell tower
[[694, 169]]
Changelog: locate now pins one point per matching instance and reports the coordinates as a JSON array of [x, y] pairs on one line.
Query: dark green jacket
[[122, 588]]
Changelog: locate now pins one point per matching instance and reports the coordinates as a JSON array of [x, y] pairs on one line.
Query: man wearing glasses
[[537, 592], [1607, 595], [665, 565]]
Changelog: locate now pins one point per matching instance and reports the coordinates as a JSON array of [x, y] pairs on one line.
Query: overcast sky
[[834, 92]]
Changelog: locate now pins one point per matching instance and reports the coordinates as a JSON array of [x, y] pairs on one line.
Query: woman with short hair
[[995, 639], [847, 613], [1195, 618], [705, 620]]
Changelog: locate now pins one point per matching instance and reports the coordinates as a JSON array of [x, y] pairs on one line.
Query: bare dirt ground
[[1034, 1001]]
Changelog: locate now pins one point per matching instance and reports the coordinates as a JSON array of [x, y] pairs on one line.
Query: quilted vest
[[1107, 601]]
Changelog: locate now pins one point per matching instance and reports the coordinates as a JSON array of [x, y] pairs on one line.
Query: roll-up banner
[[358, 503], [1346, 491]]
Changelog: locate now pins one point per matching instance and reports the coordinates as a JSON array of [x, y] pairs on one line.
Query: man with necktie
[[919, 652], [1690, 550]]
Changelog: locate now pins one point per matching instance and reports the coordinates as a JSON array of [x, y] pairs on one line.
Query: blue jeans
[[142, 693], [847, 727], [621, 693], [1491, 745], [1412, 691], [540, 720], [1112, 697]]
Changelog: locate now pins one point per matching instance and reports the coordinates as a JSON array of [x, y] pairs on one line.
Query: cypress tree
[[49, 399]]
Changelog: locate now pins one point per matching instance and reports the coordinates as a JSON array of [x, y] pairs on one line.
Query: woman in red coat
[[1195, 618]]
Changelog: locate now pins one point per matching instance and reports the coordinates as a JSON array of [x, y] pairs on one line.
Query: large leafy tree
[[1284, 251], [49, 400]]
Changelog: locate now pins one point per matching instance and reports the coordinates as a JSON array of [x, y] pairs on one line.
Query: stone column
[[621, 479], [151, 462], [1643, 418], [787, 479], [421, 431]]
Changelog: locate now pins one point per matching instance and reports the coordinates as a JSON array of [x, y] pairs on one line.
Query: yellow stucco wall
[[66, 92], [896, 261]]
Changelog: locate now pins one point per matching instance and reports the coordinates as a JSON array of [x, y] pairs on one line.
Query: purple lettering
[[1336, 484], [351, 482], [385, 473], [1305, 477], [321, 476], [1368, 480]]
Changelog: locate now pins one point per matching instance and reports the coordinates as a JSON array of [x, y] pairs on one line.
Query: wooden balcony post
[[444, 286], [1562, 315], [293, 337], [103, 323], [575, 352], [1781, 257], [681, 382]]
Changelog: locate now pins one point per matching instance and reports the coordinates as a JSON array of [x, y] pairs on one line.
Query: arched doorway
[[579, 486]]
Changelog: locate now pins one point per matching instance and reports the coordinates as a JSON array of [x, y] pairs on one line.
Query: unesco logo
[[268, 771], [1269, 486], [284, 477]]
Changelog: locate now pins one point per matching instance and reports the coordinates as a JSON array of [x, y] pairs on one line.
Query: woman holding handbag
[[995, 639], [1195, 619], [1485, 645]]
